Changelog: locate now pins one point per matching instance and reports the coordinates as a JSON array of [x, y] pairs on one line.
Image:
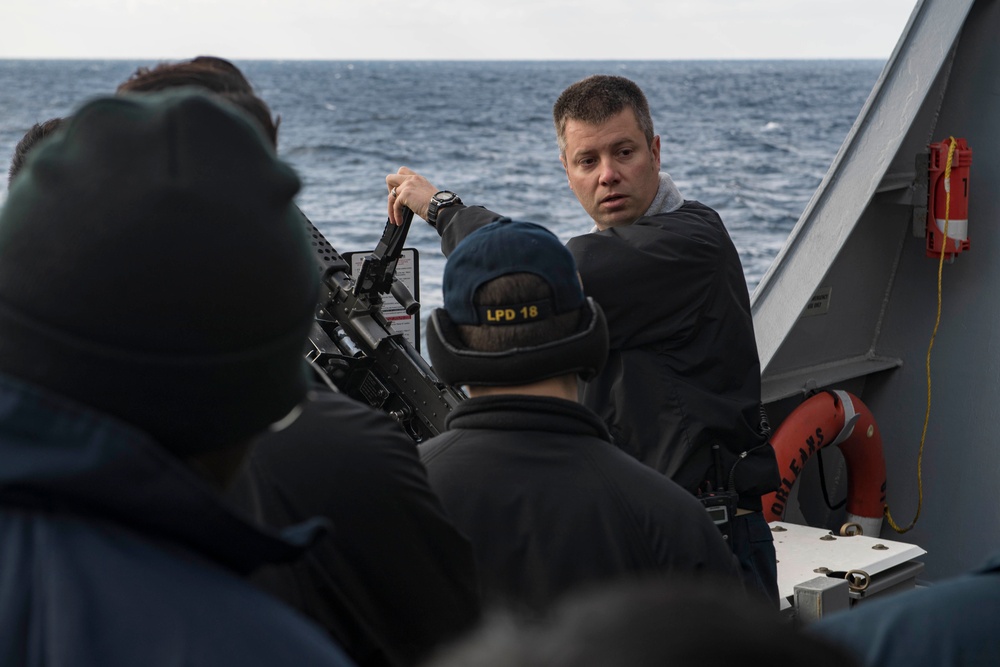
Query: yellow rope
[[937, 321]]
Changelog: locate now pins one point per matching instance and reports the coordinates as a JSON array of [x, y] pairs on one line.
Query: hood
[[60, 456]]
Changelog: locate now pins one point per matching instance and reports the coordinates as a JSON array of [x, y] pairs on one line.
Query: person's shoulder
[[931, 625], [335, 418], [336, 434], [971, 596], [691, 224], [639, 482], [439, 445], [690, 217]]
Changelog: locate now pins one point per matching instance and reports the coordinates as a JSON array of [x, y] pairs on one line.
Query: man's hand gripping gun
[[354, 348]]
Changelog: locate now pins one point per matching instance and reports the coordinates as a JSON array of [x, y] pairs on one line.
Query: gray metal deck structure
[[859, 250]]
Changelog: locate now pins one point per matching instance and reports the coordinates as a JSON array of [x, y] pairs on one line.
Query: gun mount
[[353, 346]]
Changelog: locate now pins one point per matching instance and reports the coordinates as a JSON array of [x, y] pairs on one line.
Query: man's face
[[611, 169]]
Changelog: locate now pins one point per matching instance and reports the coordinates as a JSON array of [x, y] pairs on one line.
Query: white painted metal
[[802, 550]]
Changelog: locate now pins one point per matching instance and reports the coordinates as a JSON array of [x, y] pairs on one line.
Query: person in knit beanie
[[153, 266], [156, 292]]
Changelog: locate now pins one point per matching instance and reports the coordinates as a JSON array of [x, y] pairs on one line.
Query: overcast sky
[[452, 29]]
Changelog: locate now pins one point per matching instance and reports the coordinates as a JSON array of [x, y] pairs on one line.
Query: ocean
[[752, 139]]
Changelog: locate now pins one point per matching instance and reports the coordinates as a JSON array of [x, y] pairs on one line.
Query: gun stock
[[355, 348]]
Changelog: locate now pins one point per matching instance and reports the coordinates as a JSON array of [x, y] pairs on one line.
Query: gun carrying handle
[[390, 246]]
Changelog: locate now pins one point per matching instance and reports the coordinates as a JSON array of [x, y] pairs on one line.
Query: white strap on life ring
[[850, 417]]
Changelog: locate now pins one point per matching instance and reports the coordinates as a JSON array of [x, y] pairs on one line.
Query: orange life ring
[[826, 419]]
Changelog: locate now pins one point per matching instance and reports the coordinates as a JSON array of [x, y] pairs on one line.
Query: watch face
[[444, 197]]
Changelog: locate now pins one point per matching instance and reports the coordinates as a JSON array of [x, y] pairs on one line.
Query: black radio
[[719, 501], [721, 506]]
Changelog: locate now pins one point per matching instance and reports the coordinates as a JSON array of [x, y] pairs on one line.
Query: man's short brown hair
[[210, 73], [35, 134], [598, 98]]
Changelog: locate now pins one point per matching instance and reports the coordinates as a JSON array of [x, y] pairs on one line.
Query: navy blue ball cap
[[501, 248]]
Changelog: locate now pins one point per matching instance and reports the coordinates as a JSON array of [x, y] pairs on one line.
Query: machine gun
[[354, 348]]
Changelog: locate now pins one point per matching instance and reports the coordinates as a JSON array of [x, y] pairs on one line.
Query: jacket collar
[[668, 198], [515, 412]]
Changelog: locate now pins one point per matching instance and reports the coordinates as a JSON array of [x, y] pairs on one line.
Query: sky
[[452, 29]]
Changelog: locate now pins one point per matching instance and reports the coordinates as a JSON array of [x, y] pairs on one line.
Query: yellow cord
[[937, 321]]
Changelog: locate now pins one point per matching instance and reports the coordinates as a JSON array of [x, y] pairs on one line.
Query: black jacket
[[395, 578], [550, 504], [683, 373]]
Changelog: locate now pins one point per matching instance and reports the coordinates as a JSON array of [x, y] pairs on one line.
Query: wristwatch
[[440, 200]]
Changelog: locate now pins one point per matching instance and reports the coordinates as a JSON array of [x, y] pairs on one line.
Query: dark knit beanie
[[153, 266]]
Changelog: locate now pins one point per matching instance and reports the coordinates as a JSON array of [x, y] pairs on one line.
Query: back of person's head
[[153, 266], [596, 100], [645, 623], [28, 142], [514, 311], [211, 73]]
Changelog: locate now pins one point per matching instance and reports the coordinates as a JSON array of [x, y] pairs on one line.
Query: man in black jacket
[[681, 389], [529, 474], [394, 578]]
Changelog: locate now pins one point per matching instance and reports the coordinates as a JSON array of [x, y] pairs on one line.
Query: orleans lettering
[[812, 443]]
